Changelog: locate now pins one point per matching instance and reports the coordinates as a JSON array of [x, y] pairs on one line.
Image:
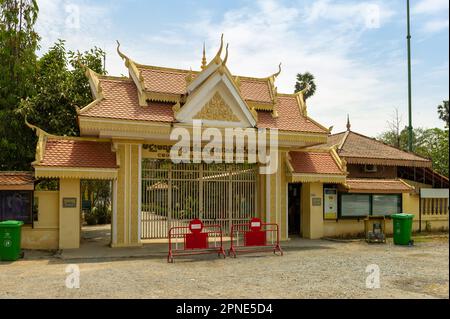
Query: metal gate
[[174, 194]]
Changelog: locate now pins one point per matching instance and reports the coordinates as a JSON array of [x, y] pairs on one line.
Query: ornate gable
[[216, 110]]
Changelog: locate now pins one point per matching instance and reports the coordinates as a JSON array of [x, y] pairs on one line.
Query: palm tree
[[305, 80]]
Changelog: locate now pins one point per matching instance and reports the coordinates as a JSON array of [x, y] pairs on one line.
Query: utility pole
[[410, 128]]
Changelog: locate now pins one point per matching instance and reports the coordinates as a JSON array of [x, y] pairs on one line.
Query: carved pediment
[[216, 110]]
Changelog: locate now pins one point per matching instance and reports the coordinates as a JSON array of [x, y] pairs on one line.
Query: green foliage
[[305, 80], [99, 193], [431, 143], [61, 86], [443, 112], [18, 44]]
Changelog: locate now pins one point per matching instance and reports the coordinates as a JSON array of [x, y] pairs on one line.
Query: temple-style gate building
[[321, 186]]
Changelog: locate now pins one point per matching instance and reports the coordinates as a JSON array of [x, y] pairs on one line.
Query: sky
[[355, 49]]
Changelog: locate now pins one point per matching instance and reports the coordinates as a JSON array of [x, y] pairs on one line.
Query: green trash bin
[[10, 236], [402, 228]]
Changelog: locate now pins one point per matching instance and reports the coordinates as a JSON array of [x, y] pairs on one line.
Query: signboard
[[330, 203], [434, 192], [69, 202], [317, 201], [159, 151]]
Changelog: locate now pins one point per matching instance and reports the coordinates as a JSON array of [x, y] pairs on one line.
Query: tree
[[443, 112], [430, 143], [61, 86], [18, 44], [433, 143], [305, 81], [393, 135]]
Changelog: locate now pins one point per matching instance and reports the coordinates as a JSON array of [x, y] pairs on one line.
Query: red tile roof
[[173, 81], [121, 102], [255, 90], [314, 163], [357, 148], [289, 117], [65, 152], [378, 185], [164, 81], [16, 181]]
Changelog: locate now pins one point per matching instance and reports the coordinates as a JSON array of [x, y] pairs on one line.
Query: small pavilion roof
[[360, 149]]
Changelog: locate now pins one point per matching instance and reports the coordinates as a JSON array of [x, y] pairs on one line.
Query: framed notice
[[69, 202], [317, 201]]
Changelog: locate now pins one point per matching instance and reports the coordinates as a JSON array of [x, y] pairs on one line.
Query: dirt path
[[321, 269]]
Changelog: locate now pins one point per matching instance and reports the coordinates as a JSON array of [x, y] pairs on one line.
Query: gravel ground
[[317, 269]]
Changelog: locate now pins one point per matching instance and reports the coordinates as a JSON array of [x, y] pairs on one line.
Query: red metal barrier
[[253, 237], [195, 240]]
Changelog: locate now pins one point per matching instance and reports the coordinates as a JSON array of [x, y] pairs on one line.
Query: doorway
[[96, 212], [294, 220]]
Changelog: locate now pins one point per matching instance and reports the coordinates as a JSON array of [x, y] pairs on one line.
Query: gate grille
[[173, 194]]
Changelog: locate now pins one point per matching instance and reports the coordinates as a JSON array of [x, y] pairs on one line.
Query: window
[[16, 205], [355, 205], [360, 205], [370, 168], [383, 205]]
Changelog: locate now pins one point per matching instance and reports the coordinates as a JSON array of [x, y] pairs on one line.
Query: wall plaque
[[317, 201], [69, 202]]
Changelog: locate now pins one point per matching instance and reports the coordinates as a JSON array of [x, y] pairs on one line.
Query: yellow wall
[[45, 234], [311, 220], [126, 228], [353, 227], [69, 218]]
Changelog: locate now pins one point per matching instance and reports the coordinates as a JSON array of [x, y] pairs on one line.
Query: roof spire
[[204, 62], [349, 126]]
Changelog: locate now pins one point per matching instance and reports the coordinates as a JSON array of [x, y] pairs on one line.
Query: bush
[[98, 216], [91, 217]]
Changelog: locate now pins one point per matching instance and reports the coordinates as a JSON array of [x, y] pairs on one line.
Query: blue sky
[[356, 49]]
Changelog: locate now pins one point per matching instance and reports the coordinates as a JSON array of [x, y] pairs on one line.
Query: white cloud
[[430, 7], [323, 38], [260, 38], [436, 25]]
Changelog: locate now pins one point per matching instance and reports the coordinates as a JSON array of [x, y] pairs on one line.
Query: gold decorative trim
[[75, 172], [260, 106], [163, 97], [317, 178], [387, 162], [216, 110], [99, 124]]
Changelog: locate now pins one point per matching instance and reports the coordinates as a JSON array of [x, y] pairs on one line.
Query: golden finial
[[217, 57], [226, 55], [278, 73], [349, 126], [123, 56], [204, 62]]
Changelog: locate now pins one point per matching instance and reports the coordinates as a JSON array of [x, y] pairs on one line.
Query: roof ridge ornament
[[225, 60], [349, 126], [278, 73], [121, 54], [217, 57]]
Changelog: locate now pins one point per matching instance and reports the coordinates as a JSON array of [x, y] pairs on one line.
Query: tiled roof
[[378, 185], [289, 117], [16, 180], [314, 163], [255, 90], [163, 81], [121, 102], [356, 146], [65, 152], [173, 81]]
